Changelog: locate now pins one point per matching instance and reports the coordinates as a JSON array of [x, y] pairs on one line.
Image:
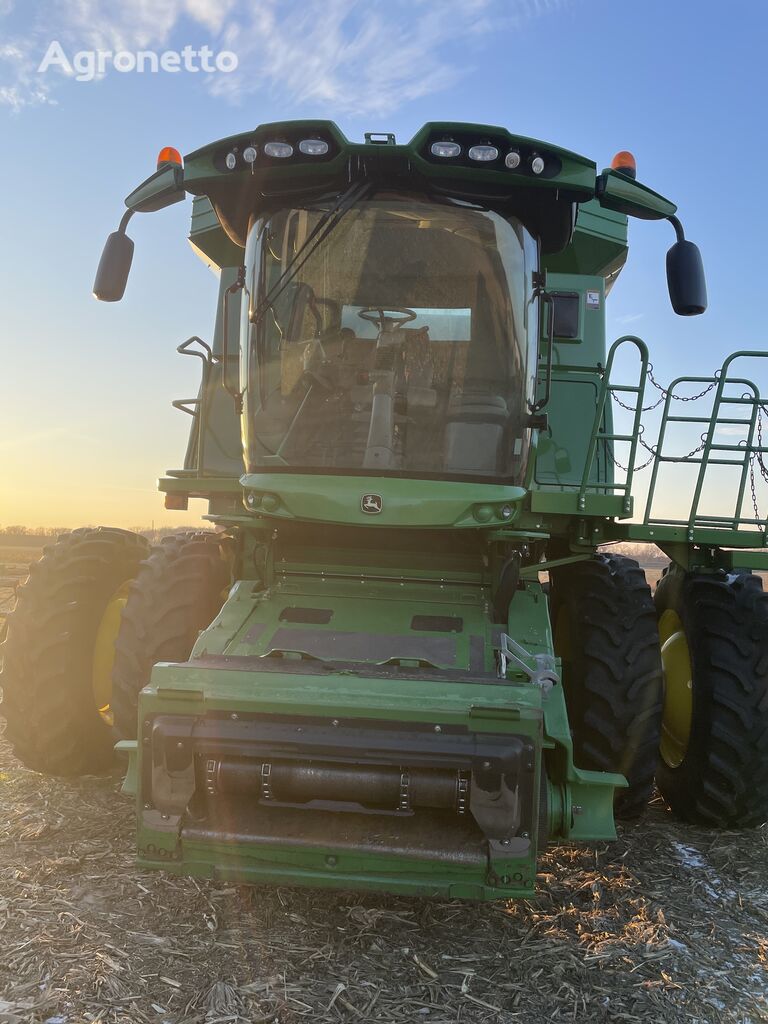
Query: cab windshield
[[400, 345]]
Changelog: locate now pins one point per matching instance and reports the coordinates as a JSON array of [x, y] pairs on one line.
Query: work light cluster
[[448, 149], [276, 150]]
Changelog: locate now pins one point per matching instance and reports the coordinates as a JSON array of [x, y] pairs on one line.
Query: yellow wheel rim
[[678, 689], [104, 652]]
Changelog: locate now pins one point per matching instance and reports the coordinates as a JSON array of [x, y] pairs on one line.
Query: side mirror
[[114, 267], [685, 279]]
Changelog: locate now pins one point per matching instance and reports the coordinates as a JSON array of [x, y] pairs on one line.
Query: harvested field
[[14, 563], [669, 924], [19, 554]]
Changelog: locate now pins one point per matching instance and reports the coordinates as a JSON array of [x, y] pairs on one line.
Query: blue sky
[[86, 387]]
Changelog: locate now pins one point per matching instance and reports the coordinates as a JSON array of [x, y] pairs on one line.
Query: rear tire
[[605, 631], [177, 593], [53, 721], [721, 779]]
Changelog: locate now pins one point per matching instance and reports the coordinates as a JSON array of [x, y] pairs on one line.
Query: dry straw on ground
[[669, 924]]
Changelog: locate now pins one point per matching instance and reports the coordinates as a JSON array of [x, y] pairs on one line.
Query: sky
[[86, 424]]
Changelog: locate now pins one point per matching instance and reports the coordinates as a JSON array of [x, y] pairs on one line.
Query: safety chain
[[653, 451], [665, 393], [682, 398], [757, 457], [638, 469]]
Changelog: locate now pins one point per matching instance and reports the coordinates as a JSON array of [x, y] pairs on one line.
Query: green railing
[[710, 453], [607, 438], [736, 405]]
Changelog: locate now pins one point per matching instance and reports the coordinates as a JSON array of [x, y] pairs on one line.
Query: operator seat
[[477, 413], [474, 432]]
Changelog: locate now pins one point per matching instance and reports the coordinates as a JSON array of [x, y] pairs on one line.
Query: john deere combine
[[405, 418]]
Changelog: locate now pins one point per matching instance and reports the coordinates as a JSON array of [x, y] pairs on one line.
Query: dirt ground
[[668, 924]]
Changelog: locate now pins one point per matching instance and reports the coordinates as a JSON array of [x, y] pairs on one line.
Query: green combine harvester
[[406, 417]]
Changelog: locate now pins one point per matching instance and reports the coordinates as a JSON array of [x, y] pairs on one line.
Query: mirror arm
[[164, 187], [678, 228], [122, 227]]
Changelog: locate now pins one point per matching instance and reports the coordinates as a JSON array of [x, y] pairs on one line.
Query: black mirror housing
[[685, 279], [114, 267]]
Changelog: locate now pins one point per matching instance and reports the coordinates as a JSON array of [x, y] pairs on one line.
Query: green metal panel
[[562, 453], [588, 349], [195, 688], [230, 676], [161, 189], [568, 504], [209, 239], [404, 502], [599, 245], [576, 173], [618, 191]]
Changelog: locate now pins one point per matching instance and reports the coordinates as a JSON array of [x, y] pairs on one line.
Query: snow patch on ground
[[694, 861], [689, 857], [679, 947]]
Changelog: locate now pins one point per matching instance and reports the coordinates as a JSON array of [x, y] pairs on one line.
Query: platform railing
[[711, 453], [605, 439], [194, 407]]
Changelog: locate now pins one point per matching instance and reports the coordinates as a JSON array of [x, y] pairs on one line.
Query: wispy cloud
[[116, 25], [629, 318], [19, 85], [356, 56]]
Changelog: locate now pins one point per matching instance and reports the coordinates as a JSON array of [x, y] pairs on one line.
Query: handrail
[[197, 411], [598, 434], [712, 453]]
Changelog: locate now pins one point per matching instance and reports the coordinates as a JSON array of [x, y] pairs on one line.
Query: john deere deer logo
[[371, 504]]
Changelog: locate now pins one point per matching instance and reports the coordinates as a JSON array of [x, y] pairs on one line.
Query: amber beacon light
[[625, 162], [168, 155]]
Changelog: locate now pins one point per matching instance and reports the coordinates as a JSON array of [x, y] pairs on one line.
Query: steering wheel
[[381, 320]]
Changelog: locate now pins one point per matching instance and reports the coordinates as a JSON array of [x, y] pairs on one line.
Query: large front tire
[[57, 652], [714, 765], [606, 635], [178, 592]]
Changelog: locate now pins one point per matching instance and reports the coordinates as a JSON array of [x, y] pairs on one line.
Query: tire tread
[[176, 594], [51, 720], [614, 687], [723, 780]]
